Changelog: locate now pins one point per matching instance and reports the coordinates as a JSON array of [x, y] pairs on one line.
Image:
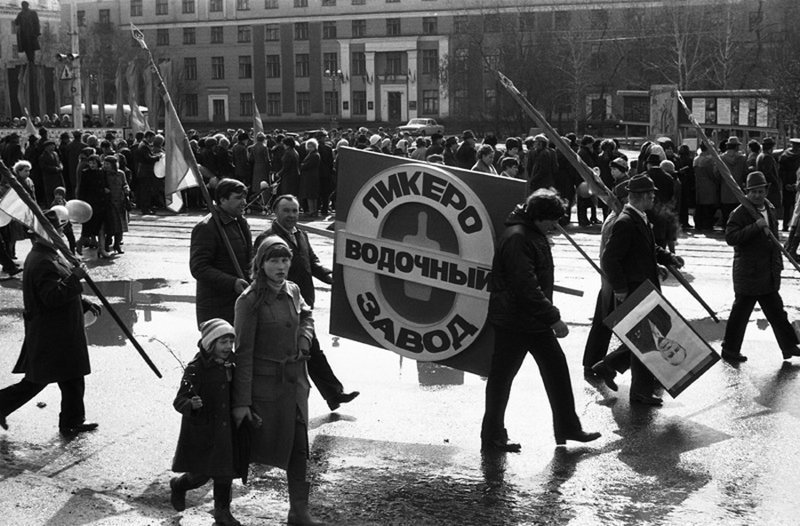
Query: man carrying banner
[[757, 265], [525, 320], [54, 349], [631, 257]]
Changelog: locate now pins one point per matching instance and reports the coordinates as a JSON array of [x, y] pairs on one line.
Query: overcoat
[[737, 164], [757, 261], [309, 177], [270, 377], [521, 282], [289, 173], [212, 267], [205, 443], [706, 181], [55, 348]]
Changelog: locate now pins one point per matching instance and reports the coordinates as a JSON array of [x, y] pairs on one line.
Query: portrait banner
[[662, 339]]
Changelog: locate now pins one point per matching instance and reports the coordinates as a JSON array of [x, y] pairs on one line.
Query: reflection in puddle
[[433, 374], [133, 301]]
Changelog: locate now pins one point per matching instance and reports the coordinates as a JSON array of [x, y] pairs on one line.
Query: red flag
[[258, 125], [178, 173], [30, 129]]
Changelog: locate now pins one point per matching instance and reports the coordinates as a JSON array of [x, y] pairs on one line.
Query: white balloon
[[79, 211]]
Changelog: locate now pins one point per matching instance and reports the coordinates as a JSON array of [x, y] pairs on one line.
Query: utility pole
[[77, 108]]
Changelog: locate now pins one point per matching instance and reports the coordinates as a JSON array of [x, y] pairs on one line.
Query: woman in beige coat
[[274, 329]]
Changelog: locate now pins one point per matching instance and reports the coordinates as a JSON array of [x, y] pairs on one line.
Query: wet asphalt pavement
[[407, 451]]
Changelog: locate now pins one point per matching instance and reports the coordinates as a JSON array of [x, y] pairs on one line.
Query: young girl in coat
[[205, 444]]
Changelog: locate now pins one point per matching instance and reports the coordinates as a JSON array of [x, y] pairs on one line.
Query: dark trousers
[[772, 305], [704, 216], [510, 348], [788, 208], [298, 460], [5, 258], [321, 373], [599, 335], [584, 204], [72, 413], [642, 380]]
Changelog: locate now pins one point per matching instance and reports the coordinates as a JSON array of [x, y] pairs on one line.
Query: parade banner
[[662, 339], [413, 252]]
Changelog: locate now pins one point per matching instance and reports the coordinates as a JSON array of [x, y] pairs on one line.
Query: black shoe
[[788, 353], [605, 373], [341, 398], [643, 399], [500, 444], [177, 496], [3, 422], [577, 436], [80, 428], [589, 374], [13, 271], [734, 357]]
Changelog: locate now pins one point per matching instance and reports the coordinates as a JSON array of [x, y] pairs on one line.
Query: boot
[[298, 505], [178, 487], [222, 505]]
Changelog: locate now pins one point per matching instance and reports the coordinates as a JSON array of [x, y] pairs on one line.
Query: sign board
[[413, 251], [724, 110], [661, 338], [66, 73], [664, 111]]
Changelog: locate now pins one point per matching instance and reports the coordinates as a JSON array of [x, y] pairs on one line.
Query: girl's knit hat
[[212, 329]]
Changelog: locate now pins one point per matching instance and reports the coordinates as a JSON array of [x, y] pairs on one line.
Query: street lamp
[[334, 75]]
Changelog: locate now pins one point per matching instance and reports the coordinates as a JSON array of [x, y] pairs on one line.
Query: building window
[[491, 62], [328, 3], [274, 103], [217, 35], [359, 28], [301, 31], [187, 7], [331, 102], [301, 65], [81, 18], [527, 21], [217, 68], [359, 63], [460, 101], [136, 7], [491, 23], [190, 105], [215, 6], [190, 68], [162, 7], [273, 66], [462, 56], [430, 102], [243, 34], [460, 24], [489, 99], [189, 36], [104, 16], [245, 67], [393, 27], [303, 103], [359, 103], [301, 3], [329, 30], [392, 1], [270, 4], [273, 32], [430, 61], [245, 104], [162, 37], [394, 63], [430, 25], [243, 5], [359, 2], [330, 61]]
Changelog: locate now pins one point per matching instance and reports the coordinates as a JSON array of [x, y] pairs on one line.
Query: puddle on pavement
[[136, 302]]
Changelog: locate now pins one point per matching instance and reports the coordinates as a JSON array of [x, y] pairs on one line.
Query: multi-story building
[[307, 61]]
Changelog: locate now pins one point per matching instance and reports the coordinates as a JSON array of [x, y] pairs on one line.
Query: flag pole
[[60, 245], [139, 37], [581, 251], [727, 177]]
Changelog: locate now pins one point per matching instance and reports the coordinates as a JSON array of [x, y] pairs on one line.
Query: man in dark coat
[[218, 284], [757, 266], [542, 165], [524, 319], [304, 268], [146, 186], [28, 31], [54, 350], [630, 258], [788, 164], [587, 155], [466, 155]]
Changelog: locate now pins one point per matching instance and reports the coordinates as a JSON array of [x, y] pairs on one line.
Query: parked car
[[422, 127]]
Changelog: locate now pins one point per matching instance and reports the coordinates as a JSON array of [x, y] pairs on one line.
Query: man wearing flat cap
[[630, 258], [467, 154], [757, 266]]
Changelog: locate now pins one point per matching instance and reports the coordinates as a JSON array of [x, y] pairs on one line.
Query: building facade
[[305, 61]]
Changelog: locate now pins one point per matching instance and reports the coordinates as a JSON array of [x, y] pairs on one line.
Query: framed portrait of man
[[661, 338]]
